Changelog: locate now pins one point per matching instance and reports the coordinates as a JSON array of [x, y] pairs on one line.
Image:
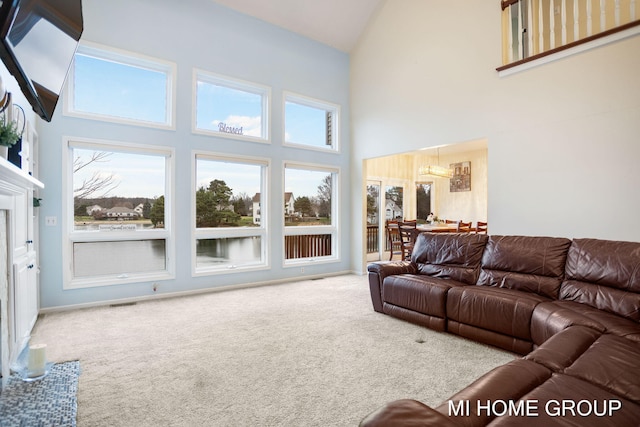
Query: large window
[[311, 123], [230, 108], [117, 213], [230, 213], [112, 85], [310, 213]]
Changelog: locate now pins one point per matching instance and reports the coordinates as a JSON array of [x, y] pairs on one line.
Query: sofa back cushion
[[449, 255], [525, 263], [604, 274]]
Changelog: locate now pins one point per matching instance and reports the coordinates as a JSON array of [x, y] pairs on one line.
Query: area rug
[[50, 401]]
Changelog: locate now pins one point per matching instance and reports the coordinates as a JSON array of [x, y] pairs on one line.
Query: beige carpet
[[309, 353]]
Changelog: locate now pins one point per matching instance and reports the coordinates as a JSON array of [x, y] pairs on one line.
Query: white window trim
[[132, 59], [70, 236], [333, 229], [261, 231], [238, 84], [314, 103]]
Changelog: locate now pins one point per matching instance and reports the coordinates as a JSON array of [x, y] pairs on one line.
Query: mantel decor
[[461, 179]]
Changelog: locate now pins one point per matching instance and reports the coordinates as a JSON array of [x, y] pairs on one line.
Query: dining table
[[438, 227]]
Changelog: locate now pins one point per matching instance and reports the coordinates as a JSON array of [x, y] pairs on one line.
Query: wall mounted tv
[[38, 39]]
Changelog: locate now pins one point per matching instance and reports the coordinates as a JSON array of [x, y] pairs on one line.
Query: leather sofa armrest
[[377, 273], [406, 413]]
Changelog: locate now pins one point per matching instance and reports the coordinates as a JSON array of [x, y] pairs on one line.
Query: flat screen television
[[38, 39]]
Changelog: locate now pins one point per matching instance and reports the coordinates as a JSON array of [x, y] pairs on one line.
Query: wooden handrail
[[506, 3], [570, 45]]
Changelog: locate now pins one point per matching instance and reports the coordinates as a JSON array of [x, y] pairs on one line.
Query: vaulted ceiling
[[337, 23]]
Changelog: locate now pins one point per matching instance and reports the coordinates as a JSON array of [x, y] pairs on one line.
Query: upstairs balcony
[[539, 31]]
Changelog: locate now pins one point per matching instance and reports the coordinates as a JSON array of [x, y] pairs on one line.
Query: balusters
[[589, 18], [576, 20], [529, 34], [540, 28], [563, 17], [552, 25], [520, 23]]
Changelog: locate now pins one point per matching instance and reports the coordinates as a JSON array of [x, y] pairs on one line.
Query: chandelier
[[436, 170]]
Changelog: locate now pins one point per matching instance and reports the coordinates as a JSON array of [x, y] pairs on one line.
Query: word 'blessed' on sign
[[222, 127]]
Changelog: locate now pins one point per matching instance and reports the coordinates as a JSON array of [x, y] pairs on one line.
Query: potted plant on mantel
[[8, 135]]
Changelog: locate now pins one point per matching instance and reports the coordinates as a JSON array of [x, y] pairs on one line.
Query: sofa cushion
[[524, 263], [406, 413], [497, 384], [612, 363], [449, 255], [566, 401], [604, 274], [549, 318], [417, 292], [506, 311], [564, 348]]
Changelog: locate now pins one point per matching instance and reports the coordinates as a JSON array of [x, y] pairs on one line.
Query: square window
[[311, 123], [230, 108]]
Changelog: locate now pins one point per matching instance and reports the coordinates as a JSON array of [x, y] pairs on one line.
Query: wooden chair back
[[464, 227], [394, 239]]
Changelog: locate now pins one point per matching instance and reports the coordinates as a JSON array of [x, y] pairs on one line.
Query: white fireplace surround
[[18, 269]]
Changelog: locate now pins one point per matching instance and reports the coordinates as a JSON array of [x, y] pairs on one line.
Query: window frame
[[132, 59], [71, 236], [202, 233], [200, 75], [333, 229], [307, 101]]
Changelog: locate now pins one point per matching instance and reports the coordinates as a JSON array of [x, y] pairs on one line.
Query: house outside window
[[117, 214], [310, 213], [229, 213]]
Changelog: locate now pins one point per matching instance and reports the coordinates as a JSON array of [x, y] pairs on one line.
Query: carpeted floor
[[309, 353], [50, 401]]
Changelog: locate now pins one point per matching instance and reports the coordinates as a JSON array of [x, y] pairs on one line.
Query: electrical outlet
[[301, 269]]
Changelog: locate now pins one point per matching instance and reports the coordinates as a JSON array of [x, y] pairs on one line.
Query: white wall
[[562, 138], [199, 34]]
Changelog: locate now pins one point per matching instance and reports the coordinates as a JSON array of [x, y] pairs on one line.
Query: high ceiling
[[337, 23]]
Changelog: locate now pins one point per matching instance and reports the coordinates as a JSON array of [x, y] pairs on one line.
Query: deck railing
[[372, 238], [535, 28], [307, 246]]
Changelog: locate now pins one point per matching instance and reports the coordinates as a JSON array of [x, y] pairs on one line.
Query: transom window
[[111, 85], [311, 123], [230, 213], [310, 209], [118, 213], [230, 108]]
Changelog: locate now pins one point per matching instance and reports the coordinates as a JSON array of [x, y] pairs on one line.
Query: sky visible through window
[[133, 175], [119, 90]]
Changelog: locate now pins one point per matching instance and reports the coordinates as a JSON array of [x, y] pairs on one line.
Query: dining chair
[[481, 227], [450, 221], [464, 227], [408, 232], [394, 239]]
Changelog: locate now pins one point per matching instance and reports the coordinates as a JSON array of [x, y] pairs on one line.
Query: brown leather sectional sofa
[[571, 307]]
